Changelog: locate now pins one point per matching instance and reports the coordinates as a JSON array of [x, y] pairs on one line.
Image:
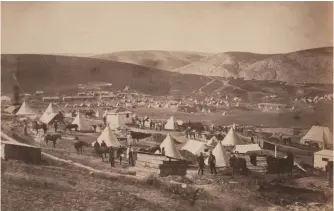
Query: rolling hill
[[54, 73], [165, 60], [306, 66]]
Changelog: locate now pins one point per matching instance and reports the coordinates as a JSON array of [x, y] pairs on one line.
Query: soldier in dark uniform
[[111, 157], [212, 163], [329, 171], [200, 161]]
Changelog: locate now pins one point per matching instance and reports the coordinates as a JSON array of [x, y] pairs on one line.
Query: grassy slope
[[165, 60], [311, 66]]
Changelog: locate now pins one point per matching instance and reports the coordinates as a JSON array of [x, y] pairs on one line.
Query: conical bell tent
[[50, 110], [82, 123], [170, 148], [109, 138], [231, 139], [25, 109], [221, 156], [212, 142]]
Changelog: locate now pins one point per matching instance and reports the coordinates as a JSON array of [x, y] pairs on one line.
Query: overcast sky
[[104, 27]]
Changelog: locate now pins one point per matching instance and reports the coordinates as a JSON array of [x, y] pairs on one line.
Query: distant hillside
[[63, 73], [165, 60], [307, 66]]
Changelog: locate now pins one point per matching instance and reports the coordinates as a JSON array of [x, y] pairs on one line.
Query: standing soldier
[[25, 127], [212, 163], [163, 151], [55, 125], [200, 161], [130, 154], [111, 157], [329, 171]]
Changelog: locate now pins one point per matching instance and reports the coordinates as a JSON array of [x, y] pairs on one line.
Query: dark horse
[[70, 127], [52, 138], [37, 126], [151, 149], [280, 165], [79, 146], [238, 164], [139, 135]]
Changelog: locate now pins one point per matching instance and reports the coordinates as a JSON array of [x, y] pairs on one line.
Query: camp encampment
[[222, 159], [170, 148], [320, 135], [231, 139]]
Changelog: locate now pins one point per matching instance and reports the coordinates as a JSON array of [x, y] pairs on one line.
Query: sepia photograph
[[166, 105]]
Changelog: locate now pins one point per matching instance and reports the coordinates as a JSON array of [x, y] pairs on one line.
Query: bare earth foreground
[[57, 186]]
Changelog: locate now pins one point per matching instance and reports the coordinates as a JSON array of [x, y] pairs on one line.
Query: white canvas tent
[[231, 139], [222, 159], [212, 142], [170, 148], [170, 125], [25, 109], [81, 122], [246, 148], [318, 134], [48, 118], [195, 147], [45, 118], [109, 138]]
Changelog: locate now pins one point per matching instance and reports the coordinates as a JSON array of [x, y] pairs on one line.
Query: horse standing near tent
[[53, 138], [37, 127], [79, 145], [70, 127], [280, 165]]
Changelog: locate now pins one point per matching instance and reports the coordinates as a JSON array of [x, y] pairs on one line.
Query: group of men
[[211, 162]]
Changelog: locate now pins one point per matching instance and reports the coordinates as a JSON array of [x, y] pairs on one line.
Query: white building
[[118, 117], [321, 158]]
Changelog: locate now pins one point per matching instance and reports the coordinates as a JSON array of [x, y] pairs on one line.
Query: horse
[[53, 138], [42, 126], [238, 164], [139, 135], [150, 149], [70, 127], [280, 165], [79, 146]]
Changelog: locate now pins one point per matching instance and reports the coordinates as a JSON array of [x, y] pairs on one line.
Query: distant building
[[321, 158], [120, 114], [74, 98], [51, 99]]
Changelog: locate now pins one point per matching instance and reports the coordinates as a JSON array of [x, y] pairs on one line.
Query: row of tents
[[218, 147]]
